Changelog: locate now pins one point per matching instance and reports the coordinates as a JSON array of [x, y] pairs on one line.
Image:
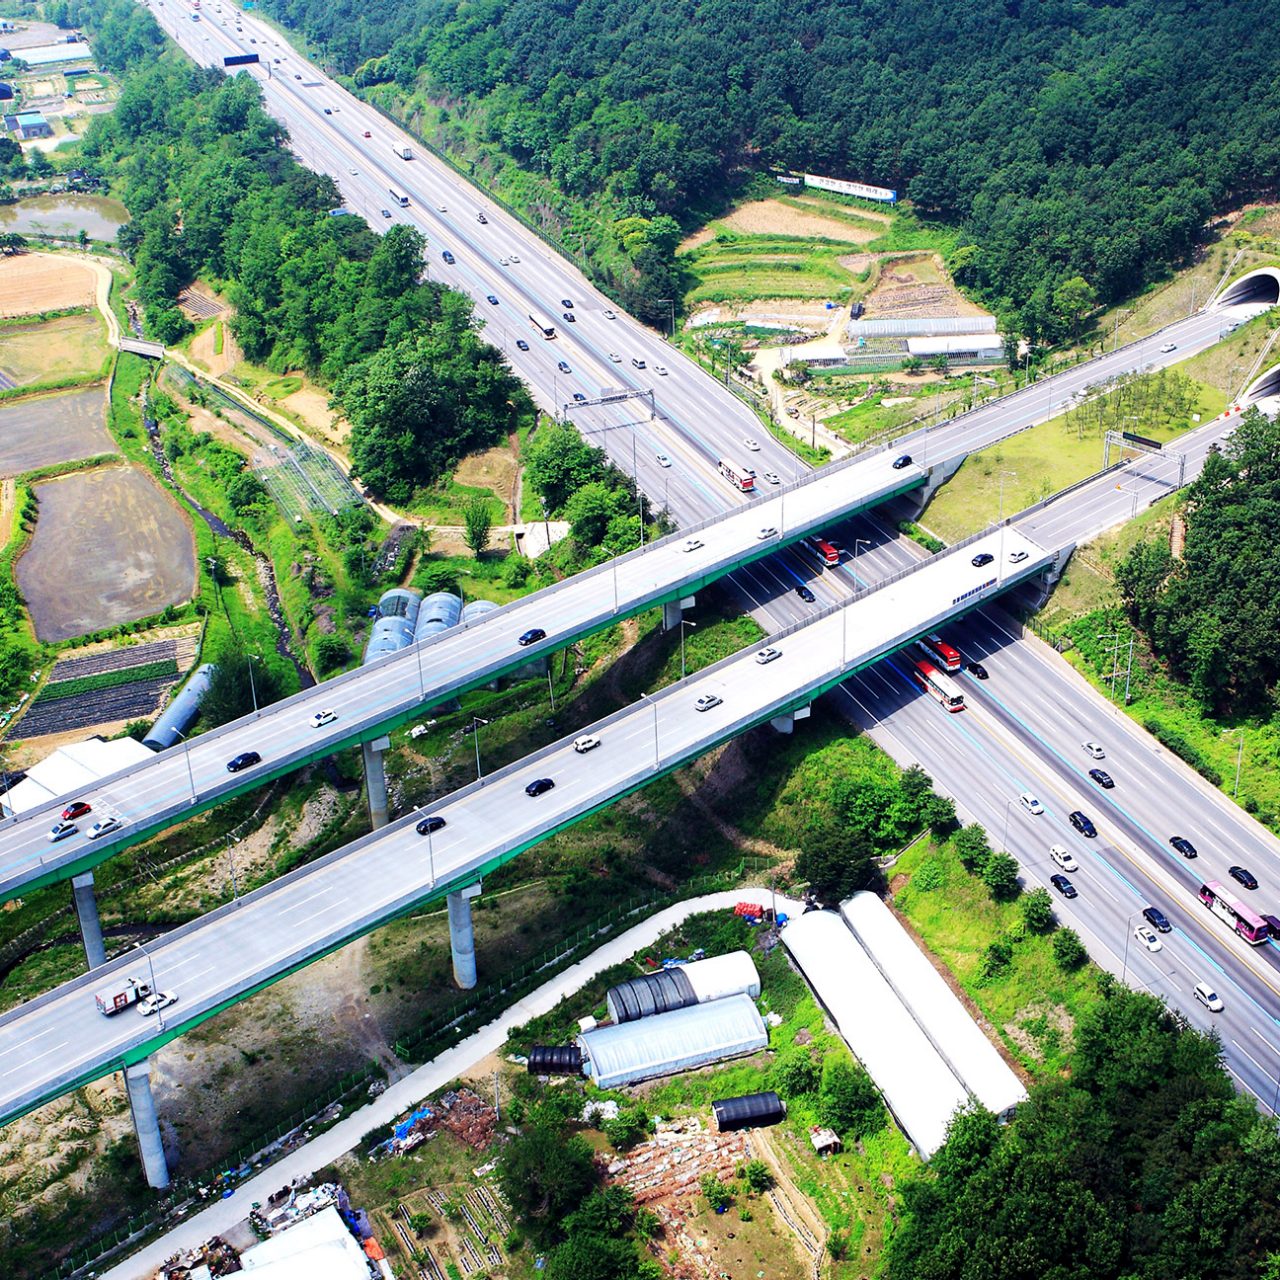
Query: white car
[[1063, 857], [442, 208], [749, 442], [1146, 935], [150, 1005], [614, 358], [707, 701], [773, 477], [1017, 557], [61, 830], [504, 262], [663, 460], [609, 315], [692, 544], [660, 370], [322, 718], [104, 828], [766, 533], [515, 257], [1209, 997], [1168, 346], [355, 173], [768, 655], [588, 742], [1094, 750], [1030, 803]]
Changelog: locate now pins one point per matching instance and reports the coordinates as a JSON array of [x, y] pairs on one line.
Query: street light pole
[[857, 542], [1124, 966], [1000, 567], [1239, 756], [649, 698], [191, 777], [253, 689]]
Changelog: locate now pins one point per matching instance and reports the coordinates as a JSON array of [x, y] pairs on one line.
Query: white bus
[[543, 326], [399, 197]]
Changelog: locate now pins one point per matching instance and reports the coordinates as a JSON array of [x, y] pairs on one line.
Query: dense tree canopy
[[1213, 614], [1081, 144], [1145, 1163], [213, 193]]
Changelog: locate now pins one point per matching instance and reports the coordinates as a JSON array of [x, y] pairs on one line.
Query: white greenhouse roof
[[73, 768], [317, 1247], [957, 345], [43, 55], [669, 1042], [921, 1090], [933, 1004], [720, 976]]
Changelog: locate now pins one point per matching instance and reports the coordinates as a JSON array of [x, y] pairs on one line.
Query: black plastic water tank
[[555, 1060], [659, 992], [749, 1111]]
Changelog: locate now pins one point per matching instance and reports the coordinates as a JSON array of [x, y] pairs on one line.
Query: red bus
[[742, 477], [1234, 913], [935, 647], [939, 686], [825, 553]]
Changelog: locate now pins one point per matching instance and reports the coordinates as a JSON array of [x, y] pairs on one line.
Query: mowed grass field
[[59, 428], [1043, 459], [109, 547], [66, 347]]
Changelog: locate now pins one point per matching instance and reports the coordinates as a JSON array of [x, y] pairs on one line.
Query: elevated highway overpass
[[59, 1040]]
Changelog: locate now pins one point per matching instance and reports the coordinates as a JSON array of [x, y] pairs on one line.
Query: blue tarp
[[405, 1127]]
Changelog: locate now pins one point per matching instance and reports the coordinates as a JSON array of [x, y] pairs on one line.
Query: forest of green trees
[[1066, 138], [213, 193]]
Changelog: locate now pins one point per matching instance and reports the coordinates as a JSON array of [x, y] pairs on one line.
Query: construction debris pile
[[672, 1162], [468, 1117]]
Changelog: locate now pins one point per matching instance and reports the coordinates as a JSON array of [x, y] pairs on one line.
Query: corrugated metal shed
[[181, 712], [921, 1089], [684, 985], [971, 1056], [671, 1042], [748, 1111], [555, 1060]]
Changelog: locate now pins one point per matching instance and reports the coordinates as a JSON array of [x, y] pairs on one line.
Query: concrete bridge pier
[[939, 474], [673, 610], [137, 1080], [786, 723], [86, 905], [375, 780], [462, 940]]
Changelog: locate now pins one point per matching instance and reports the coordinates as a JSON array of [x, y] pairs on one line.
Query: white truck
[[126, 992], [405, 153]]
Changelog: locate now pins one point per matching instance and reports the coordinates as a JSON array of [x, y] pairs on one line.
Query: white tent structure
[[919, 1087], [669, 1042], [73, 768], [944, 1020], [317, 1248]]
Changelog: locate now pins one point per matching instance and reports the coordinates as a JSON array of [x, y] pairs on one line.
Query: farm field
[[35, 282], [61, 428], [66, 347], [131, 549]]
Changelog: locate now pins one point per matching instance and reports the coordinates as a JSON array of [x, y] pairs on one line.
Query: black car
[[569, 317], [1244, 876], [566, 304], [804, 593], [977, 670], [428, 825], [1157, 919], [1082, 823], [532, 636], [1064, 886], [243, 761], [492, 300], [982, 558], [540, 786], [1102, 778], [522, 344], [904, 461], [328, 111], [579, 397], [1183, 846]]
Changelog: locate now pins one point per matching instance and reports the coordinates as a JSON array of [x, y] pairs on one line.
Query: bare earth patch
[[67, 347], [130, 546], [493, 469], [203, 349], [772, 217], [917, 286], [35, 282], [61, 428], [312, 407]]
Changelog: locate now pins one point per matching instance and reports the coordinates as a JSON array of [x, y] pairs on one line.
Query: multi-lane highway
[[60, 1039]]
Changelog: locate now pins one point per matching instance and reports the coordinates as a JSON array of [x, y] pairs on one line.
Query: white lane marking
[[28, 1059]]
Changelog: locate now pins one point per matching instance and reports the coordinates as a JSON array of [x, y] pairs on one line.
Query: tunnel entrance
[[1259, 288]]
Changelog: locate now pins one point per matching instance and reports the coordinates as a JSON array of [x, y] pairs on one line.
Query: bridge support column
[[462, 939], [375, 780], [146, 1126], [938, 476], [787, 723], [673, 610], [86, 905]]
